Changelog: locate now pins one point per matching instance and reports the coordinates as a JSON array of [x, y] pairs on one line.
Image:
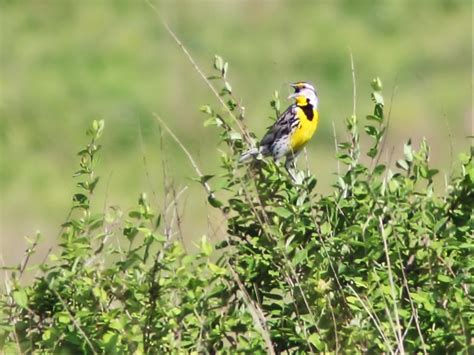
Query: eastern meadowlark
[[293, 129]]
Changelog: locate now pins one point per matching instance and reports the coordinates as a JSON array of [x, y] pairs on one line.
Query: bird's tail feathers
[[249, 154]]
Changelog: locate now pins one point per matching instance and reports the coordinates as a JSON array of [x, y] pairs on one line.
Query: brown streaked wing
[[286, 123]]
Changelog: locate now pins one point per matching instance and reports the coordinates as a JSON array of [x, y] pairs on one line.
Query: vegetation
[[380, 263], [64, 63]]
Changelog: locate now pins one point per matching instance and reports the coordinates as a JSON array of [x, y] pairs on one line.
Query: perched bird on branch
[[293, 129]]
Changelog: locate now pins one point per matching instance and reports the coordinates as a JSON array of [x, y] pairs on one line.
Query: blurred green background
[[65, 63]]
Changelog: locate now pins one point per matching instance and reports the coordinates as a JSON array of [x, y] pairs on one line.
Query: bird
[[294, 128]]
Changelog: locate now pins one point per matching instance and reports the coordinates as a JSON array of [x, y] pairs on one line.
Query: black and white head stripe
[[301, 85]]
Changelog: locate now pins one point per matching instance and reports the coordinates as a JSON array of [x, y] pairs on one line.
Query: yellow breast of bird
[[305, 130]]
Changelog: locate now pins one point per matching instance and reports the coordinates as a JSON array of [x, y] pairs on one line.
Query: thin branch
[[412, 305], [354, 86], [200, 72], [165, 186], [387, 343], [387, 311], [74, 321], [28, 254], [336, 338], [450, 137], [145, 163], [107, 233], [255, 311], [178, 217], [392, 288], [336, 147], [190, 157]]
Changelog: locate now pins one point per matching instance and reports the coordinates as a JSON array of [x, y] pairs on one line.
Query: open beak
[[294, 95]]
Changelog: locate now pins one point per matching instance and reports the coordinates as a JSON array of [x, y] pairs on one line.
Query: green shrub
[[380, 264]]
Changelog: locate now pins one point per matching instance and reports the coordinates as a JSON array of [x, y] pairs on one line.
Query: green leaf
[[20, 298], [206, 109], [225, 69], [440, 224], [135, 214], [379, 169], [100, 294], [100, 128], [218, 63], [372, 152], [402, 164], [346, 159], [315, 339], [235, 136], [444, 278], [63, 317], [371, 131], [352, 299], [299, 257], [206, 247], [214, 202], [283, 212], [376, 84], [110, 340], [227, 87], [206, 178], [216, 269], [408, 151], [80, 199], [213, 121], [158, 221], [326, 228]]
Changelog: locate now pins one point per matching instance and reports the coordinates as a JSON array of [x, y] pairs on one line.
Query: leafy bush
[[379, 264]]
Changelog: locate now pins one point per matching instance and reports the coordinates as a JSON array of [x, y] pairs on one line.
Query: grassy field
[[65, 63]]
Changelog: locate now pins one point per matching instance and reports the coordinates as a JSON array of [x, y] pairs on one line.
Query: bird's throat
[[308, 110]]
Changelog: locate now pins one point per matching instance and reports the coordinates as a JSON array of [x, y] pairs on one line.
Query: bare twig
[[107, 233], [336, 338], [178, 217], [255, 311], [145, 163], [392, 288], [412, 305], [74, 321], [387, 343], [354, 86], [190, 157], [28, 254], [387, 311], [165, 186], [450, 137], [331, 265], [201, 73], [336, 147]]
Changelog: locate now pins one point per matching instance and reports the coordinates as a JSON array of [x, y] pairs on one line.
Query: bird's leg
[[291, 167]]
